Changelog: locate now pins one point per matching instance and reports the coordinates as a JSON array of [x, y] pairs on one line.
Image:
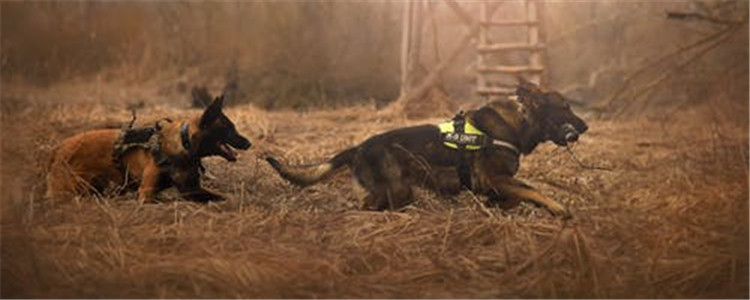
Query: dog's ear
[[213, 111], [526, 88], [201, 97], [529, 93], [525, 83]]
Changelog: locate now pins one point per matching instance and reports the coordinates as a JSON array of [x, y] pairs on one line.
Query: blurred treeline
[[310, 51], [613, 54]]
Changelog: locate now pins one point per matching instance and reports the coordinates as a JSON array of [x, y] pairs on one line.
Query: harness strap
[[130, 138], [118, 150], [185, 140], [463, 168], [146, 138], [160, 158], [185, 136]]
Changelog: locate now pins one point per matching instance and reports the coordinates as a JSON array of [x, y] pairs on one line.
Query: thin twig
[[520, 269], [585, 166], [697, 16], [713, 43], [481, 205], [633, 76], [446, 232]]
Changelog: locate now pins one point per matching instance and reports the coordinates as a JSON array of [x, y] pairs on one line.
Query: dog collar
[[506, 145], [185, 136]]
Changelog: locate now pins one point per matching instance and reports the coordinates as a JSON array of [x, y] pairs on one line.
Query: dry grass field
[[665, 214]]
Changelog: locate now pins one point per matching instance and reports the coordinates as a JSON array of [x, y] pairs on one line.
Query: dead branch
[[711, 44], [607, 104], [431, 79], [696, 16], [585, 166]]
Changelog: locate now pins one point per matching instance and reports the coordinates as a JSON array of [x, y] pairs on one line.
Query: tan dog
[[479, 150], [150, 158]]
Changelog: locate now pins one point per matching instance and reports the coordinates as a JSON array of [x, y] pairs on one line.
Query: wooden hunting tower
[[498, 60]]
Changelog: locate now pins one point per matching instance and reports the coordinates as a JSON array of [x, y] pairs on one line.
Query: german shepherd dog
[[389, 164], [149, 158]]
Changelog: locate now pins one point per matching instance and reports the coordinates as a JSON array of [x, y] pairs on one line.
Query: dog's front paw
[[556, 209], [216, 198], [204, 196], [504, 204], [146, 200]]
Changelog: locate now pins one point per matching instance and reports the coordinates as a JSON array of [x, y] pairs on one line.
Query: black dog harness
[[142, 137], [146, 138]]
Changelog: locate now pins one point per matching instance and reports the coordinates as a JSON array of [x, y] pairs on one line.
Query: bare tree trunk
[[434, 75], [415, 50], [405, 38], [432, 78]]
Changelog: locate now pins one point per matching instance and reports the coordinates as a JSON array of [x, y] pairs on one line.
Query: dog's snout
[[570, 133], [246, 144], [580, 125], [583, 128], [571, 137], [240, 142]]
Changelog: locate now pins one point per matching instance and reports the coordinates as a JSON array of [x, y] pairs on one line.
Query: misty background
[[611, 55]]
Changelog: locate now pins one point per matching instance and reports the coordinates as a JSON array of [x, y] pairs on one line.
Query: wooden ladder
[[533, 71]]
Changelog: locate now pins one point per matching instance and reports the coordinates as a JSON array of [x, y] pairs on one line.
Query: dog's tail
[[310, 174]]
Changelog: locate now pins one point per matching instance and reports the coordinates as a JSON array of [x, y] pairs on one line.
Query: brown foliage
[[670, 219]]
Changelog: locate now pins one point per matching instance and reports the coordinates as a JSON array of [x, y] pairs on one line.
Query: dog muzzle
[[569, 133]]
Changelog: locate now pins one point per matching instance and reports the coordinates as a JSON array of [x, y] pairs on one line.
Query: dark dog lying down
[[151, 158], [479, 151]]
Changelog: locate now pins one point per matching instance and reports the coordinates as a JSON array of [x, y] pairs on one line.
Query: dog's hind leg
[[63, 182], [149, 183], [387, 196], [384, 179], [398, 193], [363, 174], [60, 186], [514, 188]]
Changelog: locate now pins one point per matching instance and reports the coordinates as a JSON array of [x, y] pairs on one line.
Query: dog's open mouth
[[226, 152]]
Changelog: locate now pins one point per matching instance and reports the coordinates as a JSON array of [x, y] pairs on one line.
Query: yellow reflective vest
[[472, 137]]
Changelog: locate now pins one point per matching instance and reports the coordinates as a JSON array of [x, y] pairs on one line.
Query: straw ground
[[664, 215]]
